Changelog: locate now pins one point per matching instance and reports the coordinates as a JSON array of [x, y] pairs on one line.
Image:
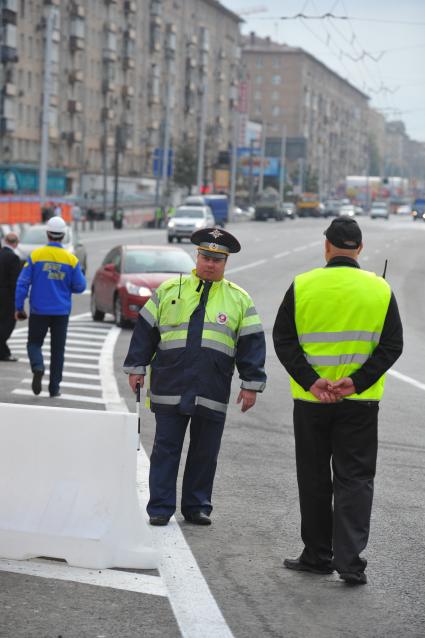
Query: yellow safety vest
[[339, 315]]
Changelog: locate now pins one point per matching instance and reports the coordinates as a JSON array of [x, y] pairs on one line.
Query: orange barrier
[[26, 211]]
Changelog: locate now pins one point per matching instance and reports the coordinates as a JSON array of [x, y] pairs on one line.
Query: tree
[[185, 166]]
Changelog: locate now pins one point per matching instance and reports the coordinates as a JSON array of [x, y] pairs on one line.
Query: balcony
[[76, 43], [109, 55], [54, 3], [156, 8], [128, 91], [130, 34], [74, 106], [108, 86], [107, 114], [130, 6], [109, 141], [8, 14], [128, 63], [78, 10], [74, 137], [7, 125], [9, 89], [76, 76]]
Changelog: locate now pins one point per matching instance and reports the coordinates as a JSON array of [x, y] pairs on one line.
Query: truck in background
[[268, 205], [219, 205], [309, 205]]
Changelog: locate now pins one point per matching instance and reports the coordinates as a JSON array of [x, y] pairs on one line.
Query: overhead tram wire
[[332, 16]]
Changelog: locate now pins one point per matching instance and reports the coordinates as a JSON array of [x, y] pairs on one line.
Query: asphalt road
[[256, 517]]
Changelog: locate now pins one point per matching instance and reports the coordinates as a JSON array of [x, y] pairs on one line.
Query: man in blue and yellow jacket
[[51, 274], [192, 332]]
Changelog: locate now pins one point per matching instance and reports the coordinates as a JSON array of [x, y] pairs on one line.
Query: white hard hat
[[56, 226]]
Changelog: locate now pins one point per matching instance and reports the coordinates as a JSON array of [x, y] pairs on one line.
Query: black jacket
[[291, 354], [10, 266]]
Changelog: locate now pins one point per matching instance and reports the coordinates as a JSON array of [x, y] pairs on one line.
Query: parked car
[[188, 219], [128, 276], [348, 210], [379, 210], [35, 236]]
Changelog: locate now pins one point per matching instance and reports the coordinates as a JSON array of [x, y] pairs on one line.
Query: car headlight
[[140, 291], [171, 223], [200, 223]]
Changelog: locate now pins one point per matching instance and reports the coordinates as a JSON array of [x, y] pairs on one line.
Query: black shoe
[[197, 518], [36, 381], [53, 395], [9, 358], [159, 520], [354, 578], [300, 566]]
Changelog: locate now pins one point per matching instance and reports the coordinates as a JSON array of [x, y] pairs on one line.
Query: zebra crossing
[[85, 348]]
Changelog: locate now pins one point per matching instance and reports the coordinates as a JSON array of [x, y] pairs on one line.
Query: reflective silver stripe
[[212, 405], [219, 327], [250, 330], [258, 386], [137, 370], [344, 335], [342, 359], [165, 399], [250, 311], [216, 345], [173, 343], [180, 326], [154, 298], [147, 316]]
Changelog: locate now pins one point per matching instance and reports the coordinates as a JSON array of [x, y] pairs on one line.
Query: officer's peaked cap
[[344, 232], [215, 242]]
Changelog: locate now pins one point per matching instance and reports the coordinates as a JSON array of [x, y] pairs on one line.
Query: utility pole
[[233, 165], [251, 181], [262, 158], [47, 84], [301, 174], [282, 164], [170, 47], [201, 145], [119, 133]]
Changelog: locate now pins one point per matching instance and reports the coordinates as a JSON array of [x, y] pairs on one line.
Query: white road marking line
[[85, 336], [116, 579], [63, 397], [72, 384], [297, 249], [85, 357], [194, 607], [77, 375], [252, 265], [284, 254], [404, 377]]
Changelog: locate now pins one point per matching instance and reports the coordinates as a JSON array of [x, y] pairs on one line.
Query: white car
[[35, 236], [379, 210], [187, 219], [348, 210]]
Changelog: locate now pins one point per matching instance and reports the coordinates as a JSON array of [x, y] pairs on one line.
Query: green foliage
[[185, 166]]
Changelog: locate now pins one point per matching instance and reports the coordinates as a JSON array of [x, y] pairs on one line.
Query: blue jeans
[[38, 325]]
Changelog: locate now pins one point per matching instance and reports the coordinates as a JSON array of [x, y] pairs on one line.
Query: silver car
[[379, 210], [187, 219], [35, 236]]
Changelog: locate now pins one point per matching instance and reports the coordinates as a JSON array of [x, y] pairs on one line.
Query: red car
[[128, 276]]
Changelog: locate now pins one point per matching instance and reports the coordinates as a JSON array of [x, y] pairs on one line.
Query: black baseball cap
[[344, 232]]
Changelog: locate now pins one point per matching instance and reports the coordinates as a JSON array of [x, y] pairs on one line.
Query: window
[[276, 79], [276, 63], [259, 63], [29, 80], [275, 111]]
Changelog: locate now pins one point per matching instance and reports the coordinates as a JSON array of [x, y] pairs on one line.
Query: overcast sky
[[388, 37]]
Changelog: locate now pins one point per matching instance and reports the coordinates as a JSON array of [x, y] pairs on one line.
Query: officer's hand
[[134, 379], [248, 398], [20, 315], [322, 389], [343, 387]]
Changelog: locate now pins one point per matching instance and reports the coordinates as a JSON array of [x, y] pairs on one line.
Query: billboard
[[249, 162]]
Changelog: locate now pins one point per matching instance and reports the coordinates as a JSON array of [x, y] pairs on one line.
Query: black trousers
[[7, 324], [336, 447], [38, 325]]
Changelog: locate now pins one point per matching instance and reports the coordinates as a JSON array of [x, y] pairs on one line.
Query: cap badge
[[216, 233], [212, 246], [221, 317]]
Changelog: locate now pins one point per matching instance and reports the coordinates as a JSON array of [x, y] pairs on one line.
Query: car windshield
[[195, 213], [37, 235], [147, 261]]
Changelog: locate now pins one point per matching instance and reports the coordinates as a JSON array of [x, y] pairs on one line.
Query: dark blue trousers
[[38, 325], [201, 463]]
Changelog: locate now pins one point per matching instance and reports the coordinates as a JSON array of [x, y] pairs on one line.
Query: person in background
[[51, 274], [10, 266], [192, 332], [57, 210], [337, 332]]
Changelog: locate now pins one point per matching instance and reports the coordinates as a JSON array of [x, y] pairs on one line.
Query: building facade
[[292, 90], [124, 78]]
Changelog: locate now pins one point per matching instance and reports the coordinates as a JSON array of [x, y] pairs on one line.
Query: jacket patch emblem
[[221, 317]]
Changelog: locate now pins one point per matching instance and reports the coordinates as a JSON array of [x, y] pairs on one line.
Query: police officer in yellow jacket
[[192, 332], [337, 332]]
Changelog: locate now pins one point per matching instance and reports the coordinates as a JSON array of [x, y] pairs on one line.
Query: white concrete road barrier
[[68, 488]]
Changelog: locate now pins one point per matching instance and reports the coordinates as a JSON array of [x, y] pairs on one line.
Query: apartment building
[[291, 88], [123, 75]]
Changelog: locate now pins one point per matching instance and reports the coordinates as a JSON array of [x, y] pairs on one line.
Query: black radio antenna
[[385, 269]]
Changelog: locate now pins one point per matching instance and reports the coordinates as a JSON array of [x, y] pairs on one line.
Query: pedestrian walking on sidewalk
[[10, 266], [51, 274], [337, 332], [192, 332]]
